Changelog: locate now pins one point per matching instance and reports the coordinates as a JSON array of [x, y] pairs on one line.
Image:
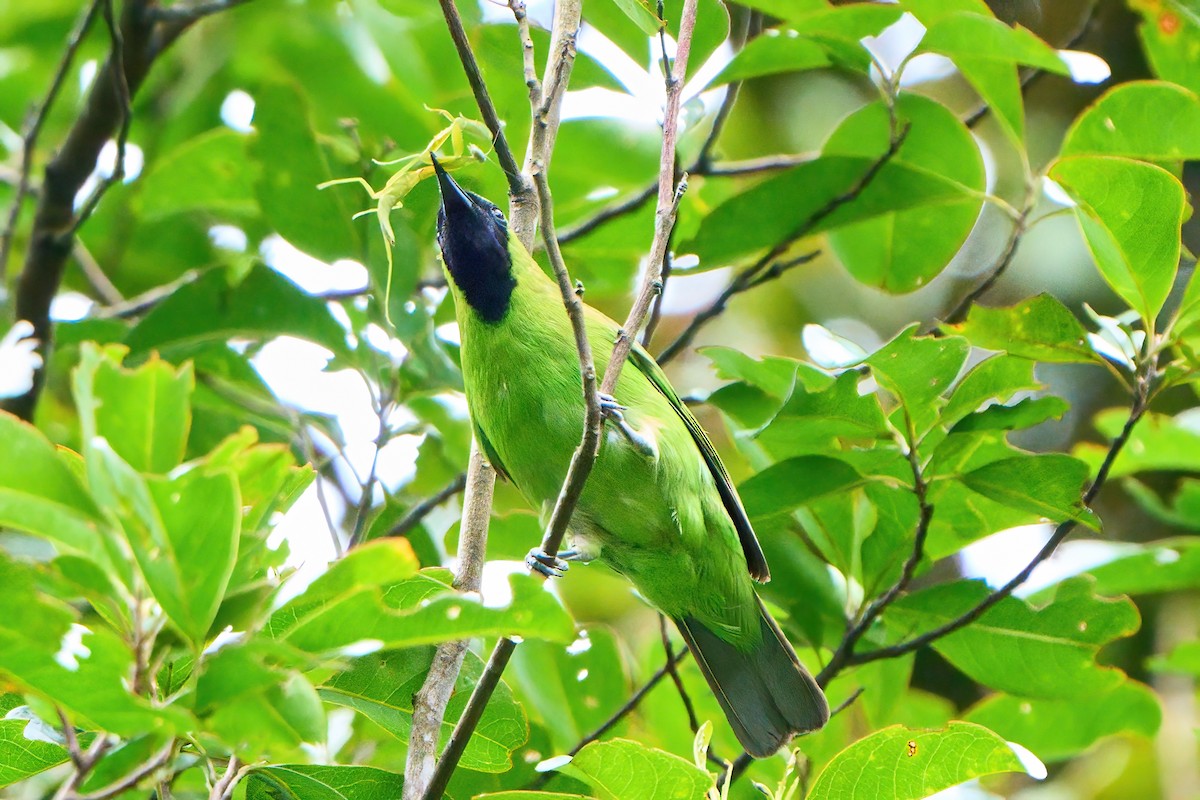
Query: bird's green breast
[[659, 520]]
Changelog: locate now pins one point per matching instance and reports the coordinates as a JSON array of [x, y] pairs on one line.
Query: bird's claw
[[550, 566], [612, 410]]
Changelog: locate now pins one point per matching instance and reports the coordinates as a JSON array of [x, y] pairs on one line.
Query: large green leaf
[[189, 561], [1040, 329], [787, 204], [1130, 213], [782, 487], [811, 421], [1115, 125], [144, 413], [1046, 653], [1158, 443], [907, 764], [620, 769], [292, 166], [316, 782], [207, 173], [1170, 36], [1050, 484], [578, 687], [40, 495], [987, 53], [382, 686], [85, 671], [995, 379], [918, 370], [21, 757], [262, 305], [373, 595], [1060, 729], [1166, 566], [902, 250]]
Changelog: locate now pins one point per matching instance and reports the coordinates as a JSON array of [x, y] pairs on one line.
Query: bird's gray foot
[[550, 566], [612, 410]]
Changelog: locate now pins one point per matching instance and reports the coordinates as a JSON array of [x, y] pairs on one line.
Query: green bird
[[658, 507]]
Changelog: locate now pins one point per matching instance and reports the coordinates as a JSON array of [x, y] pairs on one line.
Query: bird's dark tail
[[765, 692]]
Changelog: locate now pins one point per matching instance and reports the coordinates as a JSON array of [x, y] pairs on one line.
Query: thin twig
[[867, 619], [1141, 400], [752, 166], [762, 271], [132, 779], [527, 55], [766, 267], [223, 787], [94, 274], [516, 183], [685, 698], [125, 111], [422, 509], [1020, 225], [76, 755], [194, 11], [33, 129], [669, 195]]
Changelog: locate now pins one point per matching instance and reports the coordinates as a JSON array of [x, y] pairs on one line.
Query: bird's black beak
[[457, 206], [473, 237]]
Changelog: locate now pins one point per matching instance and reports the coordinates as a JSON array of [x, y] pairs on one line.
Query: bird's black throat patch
[[473, 236]]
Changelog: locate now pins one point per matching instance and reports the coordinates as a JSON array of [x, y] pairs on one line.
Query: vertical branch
[[429, 703], [668, 203], [33, 129]]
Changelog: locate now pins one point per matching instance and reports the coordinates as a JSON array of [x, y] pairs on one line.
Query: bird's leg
[[554, 566], [612, 411]]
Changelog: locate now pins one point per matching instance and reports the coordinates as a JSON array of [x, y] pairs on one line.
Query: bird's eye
[[497, 213]]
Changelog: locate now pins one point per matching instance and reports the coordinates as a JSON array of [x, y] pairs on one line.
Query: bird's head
[[473, 236]]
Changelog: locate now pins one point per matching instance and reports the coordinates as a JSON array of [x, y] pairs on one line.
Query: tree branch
[[33, 129], [188, 13], [516, 183], [129, 781], [422, 509], [1020, 226], [668, 203]]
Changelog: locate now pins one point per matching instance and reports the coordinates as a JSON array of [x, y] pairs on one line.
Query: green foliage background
[[137, 506]]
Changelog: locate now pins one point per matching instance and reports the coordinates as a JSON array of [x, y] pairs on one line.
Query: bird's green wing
[[756, 562], [489, 452]]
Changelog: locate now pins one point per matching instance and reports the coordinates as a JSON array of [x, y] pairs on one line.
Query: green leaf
[[373, 595], [995, 379], [527, 795], [782, 487], [276, 720], [85, 671], [577, 687], [1022, 414], [810, 422], [774, 375], [263, 305], [774, 52], [292, 166], [1049, 484], [747, 222], [315, 782], [1115, 125], [1183, 660], [143, 413], [1060, 729], [1158, 443], [907, 764], [382, 686], [620, 769], [918, 370], [1040, 329], [40, 495], [987, 53], [1048, 652], [903, 249], [207, 173], [189, 568], [1165, 566], [1170, 35], [21, 757], [1130, 213]]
